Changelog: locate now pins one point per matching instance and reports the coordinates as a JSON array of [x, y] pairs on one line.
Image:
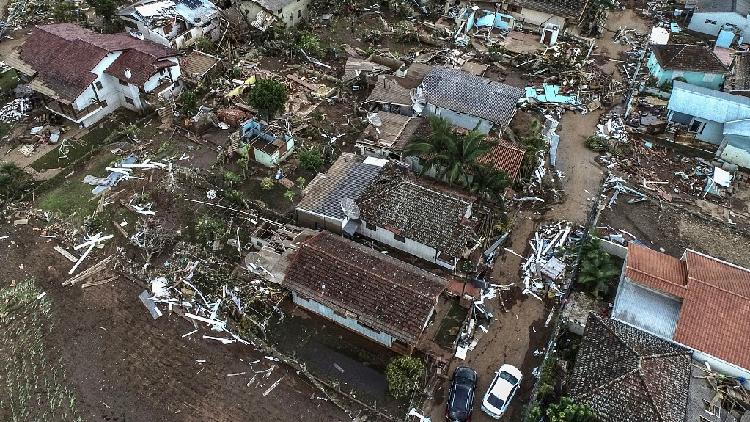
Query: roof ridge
[[649, 393], [656, 276]]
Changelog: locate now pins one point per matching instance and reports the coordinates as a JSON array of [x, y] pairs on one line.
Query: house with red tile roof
[[697, 301], [84, 76]]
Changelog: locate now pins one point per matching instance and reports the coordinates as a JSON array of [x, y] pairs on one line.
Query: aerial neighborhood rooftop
[[418, 211]]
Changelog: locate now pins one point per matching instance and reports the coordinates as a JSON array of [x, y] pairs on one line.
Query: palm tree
[[597, 268], [489, 182], [533, 142], [453, 155]]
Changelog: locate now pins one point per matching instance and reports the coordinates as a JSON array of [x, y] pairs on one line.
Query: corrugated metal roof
[[708, 104]]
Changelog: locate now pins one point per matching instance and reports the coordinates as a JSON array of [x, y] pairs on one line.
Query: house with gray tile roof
[[468, 101], [628, 375]]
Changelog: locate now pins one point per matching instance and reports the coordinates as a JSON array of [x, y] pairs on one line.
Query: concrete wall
[[290, 15], [703, 22], [347, 321], [707, 80], [646, 309], [409, 246], [537, 18], [315, 221], [713, 133], [463, 120], [737, 154]]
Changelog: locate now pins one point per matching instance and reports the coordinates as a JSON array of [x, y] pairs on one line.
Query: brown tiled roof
[[395, 131], [424, 214], [64, 54], [384, 293], [388, 90], [140, 64], [572, 9], [627, 375], [196, 64], [506, 157], [688, 57], [715, 313], [656, 270]]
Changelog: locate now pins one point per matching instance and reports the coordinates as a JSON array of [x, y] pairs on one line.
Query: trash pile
[[544, 269], [15, 110], [479, 317]]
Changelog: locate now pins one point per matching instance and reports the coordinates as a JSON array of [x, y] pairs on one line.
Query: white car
[[502, 389]]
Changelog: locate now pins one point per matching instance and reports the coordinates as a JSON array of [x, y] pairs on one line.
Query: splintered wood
[[94, 275]]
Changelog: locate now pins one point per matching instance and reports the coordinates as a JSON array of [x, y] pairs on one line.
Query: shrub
[[13, 181], [597, 268], [290, 195], [234, 196], [232, 178], [188, 102], [595, 143], [267, 183], [311, 159], [205, 45], [301, 181], [569, 411], [404, 374], [209, 229]]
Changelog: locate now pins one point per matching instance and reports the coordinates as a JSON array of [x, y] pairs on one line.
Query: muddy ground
[[662, 226], [124, 366]]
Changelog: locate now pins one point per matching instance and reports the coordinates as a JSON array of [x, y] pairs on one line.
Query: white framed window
[[696, 126]]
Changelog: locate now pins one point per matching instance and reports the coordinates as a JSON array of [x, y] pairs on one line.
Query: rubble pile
[[15, 110], [545, 267]]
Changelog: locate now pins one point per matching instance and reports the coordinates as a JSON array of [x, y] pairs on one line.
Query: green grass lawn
[[8, 81], [74, 196], [92, 140]]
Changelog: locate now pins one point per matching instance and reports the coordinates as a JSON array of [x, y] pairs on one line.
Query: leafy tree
[[311, 159], [404, 374], [268, 96], [232, 178], [301, 181], [569, 411], [597, 267], [106, 9], [13, 181], [310, 44], [453, 155], [290, 195], [65, 11]]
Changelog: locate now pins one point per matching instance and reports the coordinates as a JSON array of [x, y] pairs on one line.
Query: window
[[696, 126], [122, 82], [299, 12], [188, 35], [99, 85], [710, 22], [371, 226], [399, 238], [129, 100]]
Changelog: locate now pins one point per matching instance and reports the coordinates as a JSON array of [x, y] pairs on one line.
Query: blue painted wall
[[704, 79], [463, 120]]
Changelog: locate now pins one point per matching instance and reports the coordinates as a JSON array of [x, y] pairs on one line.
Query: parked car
[[461, 395], [501, 391]]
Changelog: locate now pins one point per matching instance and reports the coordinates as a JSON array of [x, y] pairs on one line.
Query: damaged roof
[[394, 132], [380, 291], [348, 177], [572, 9], [274, 5], [627, 375], [64, 55], [424, 214], [194, 12], [388, 90], [459, 91], [715, 299], [686, 57], [738, 6], [506, 157]]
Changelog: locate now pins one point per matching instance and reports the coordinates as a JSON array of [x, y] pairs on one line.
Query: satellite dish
[[350, 208]]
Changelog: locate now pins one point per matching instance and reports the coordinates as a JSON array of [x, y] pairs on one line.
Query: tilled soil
[[124, 366]]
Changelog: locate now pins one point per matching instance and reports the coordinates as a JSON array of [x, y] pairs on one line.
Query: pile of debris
[[15, 110], [544, 269]]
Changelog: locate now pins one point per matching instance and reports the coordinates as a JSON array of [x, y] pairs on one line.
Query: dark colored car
[[461, 395]]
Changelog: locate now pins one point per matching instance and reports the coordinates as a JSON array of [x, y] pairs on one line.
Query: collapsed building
[[173, 23], [261, 13], [83, 76]]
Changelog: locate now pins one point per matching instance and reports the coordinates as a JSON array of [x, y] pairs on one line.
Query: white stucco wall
[[702, 22], [409, 246], [348, 322], [291, 14]]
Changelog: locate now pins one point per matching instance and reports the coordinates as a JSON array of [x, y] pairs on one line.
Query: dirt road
[[124, 366]]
